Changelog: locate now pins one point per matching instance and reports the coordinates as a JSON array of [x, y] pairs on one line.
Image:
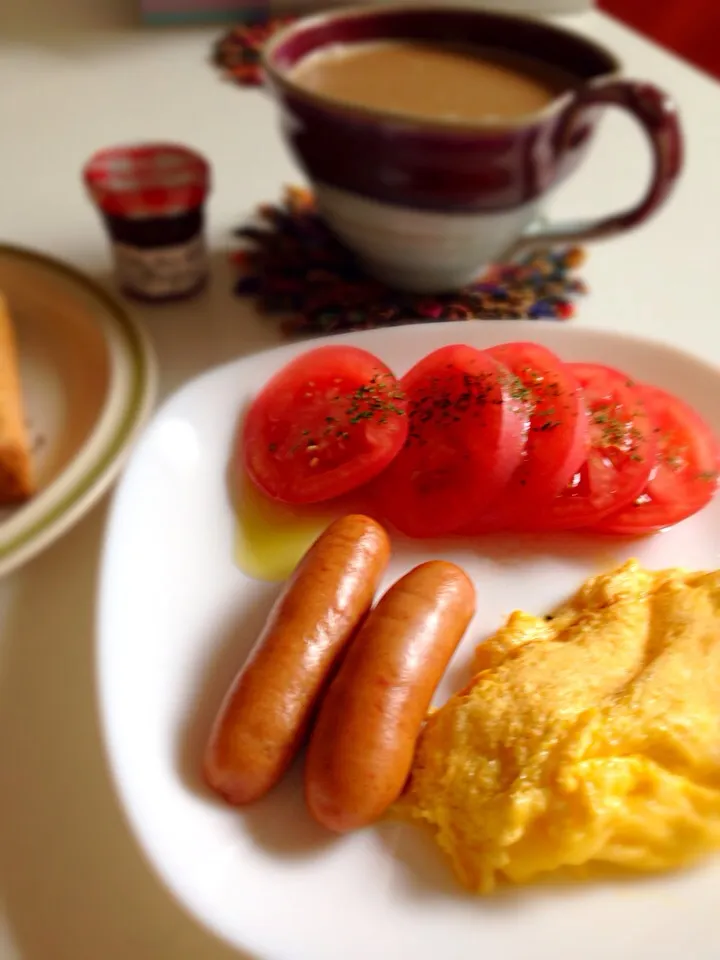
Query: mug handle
[[657, 115]]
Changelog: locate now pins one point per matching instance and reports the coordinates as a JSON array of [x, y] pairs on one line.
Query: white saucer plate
[[176, 618], [88, 380]]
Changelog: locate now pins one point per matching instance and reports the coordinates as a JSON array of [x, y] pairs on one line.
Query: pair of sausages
[[367, 711]]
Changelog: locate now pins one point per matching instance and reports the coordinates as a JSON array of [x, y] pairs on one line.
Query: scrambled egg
[[587, 740]]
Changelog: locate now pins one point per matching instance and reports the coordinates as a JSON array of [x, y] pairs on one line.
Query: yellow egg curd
[[590, 739]]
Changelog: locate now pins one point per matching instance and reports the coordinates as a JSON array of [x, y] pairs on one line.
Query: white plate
[[88, 380], [176, 618]]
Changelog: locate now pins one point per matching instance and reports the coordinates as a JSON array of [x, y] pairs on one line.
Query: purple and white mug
[[427, 203]]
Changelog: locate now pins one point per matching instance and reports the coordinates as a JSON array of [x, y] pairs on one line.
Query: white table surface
[[76, 75]]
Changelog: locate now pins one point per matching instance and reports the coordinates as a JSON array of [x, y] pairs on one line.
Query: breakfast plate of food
[[77, 380], [409, 644]]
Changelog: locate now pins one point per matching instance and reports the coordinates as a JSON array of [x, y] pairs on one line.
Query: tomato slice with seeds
[[685, 476], [465, 439], [621, 454], [329, 421], [557, 438]]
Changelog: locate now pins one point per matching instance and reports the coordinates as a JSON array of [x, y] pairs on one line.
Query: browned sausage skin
[[362, 746], [265, 714]]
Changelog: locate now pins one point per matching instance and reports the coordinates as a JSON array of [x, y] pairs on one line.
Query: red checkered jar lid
[[147, 180]]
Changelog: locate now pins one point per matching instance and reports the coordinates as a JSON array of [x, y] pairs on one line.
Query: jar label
[[162, 271]]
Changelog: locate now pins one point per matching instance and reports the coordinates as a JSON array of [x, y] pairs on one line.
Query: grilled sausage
[[362, 746], [266, 712]]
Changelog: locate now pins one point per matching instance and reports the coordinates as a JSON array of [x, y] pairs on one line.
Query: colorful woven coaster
[[292, 265], [237, 52]]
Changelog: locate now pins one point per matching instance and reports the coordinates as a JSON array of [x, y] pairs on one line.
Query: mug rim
[[280, 77]]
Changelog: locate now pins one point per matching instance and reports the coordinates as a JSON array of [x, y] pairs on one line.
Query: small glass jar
[[151, 198]]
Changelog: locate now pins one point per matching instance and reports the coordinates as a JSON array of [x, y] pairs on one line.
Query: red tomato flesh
[[329, 421], [685, 476], [465, 440], [557, 439], [621, 454]]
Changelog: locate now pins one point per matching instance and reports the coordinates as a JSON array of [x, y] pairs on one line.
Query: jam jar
[[151, 198]]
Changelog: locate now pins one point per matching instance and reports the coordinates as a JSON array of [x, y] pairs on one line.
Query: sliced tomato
[[329, 421], [685, 476], [557, 439], [621, 454], [465, 440]]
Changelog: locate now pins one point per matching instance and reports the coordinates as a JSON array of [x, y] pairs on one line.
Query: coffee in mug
[[442, 81]]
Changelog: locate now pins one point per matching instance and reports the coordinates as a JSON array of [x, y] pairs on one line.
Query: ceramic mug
[[427, 203]]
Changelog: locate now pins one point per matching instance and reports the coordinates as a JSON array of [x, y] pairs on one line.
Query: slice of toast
[[17, 482]]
